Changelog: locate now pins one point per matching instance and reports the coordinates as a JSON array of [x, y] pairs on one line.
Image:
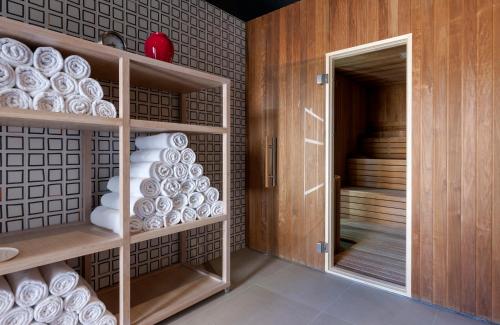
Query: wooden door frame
[[329, 141]]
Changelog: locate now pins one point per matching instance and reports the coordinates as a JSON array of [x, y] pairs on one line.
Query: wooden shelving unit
[[155, 296]]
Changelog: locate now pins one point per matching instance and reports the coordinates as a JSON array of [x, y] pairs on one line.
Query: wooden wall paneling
[[496, 165], [387, 107]]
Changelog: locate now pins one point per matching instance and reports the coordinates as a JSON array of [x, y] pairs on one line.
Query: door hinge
[[322, 79], [322, 247]]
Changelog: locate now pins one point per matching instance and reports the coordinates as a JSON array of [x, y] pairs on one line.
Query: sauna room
[[302, 162]]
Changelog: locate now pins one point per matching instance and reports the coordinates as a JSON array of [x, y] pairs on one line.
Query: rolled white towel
[[17, 316], [77, 67], [92, 311], [48, 61], [15, 98], [195, 171], [106, 218], [144, 208], [7, 76], [188, 156], [147, 187], [171, 156], [181, 171], [163, 204], [188, 186], [202, 184], [152, 223], [31, 80], [142, 156], [77, 298], [139, 206], [136, 224], [176, 140], [37, 323], [60, 278], [64, 84], [6, 296], [196, 199], [28, 286], [157, 169], [217, 209], [179, 201], [204, 211], [188, 215], [107, 319], [15, 53], [170, 187], [211, 195], [49, 101], [103, 108], [90, 88], [79, 105], [49, 309], [172, 218], [66, 318]]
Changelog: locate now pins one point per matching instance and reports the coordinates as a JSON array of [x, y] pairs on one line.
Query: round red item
[[159, 46]]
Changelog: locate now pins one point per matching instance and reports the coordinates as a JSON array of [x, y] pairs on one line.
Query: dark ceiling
[[250, 9]]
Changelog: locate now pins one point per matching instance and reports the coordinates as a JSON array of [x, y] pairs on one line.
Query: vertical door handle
[[271, 162]]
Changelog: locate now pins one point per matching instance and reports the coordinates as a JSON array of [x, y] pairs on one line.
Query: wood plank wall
[[387, 107], [456, 132]]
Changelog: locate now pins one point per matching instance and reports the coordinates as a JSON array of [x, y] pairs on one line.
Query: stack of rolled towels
[[45, 81], [52, 294], [167, 187]]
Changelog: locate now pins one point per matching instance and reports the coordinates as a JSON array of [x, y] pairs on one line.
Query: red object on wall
[[159, 46]]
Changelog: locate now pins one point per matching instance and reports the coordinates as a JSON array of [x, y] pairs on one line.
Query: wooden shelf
[[159, 295], [53, 244], [156, 126], [142, 236]]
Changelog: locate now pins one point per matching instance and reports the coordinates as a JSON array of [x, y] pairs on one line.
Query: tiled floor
[[267, 290]]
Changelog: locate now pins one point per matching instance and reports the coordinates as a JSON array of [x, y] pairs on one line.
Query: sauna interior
[[369, 153]]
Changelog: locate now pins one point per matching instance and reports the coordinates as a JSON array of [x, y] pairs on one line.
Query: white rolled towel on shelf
[[107, 319], [77, 298], [180, 201], [143, 156], [6, 296], [152, 223], [15, 53], [106, 218], [188, 215], [217, 209], [90, 88], [147, 187], [7, 76], [188, 186], [170, 187], [196, 199], [28, 287], [66, 318], [204, 211], [49, 309], [60, 278], [15, 98], [188, 156], [211, 195], [77, 67], [136, 224], [158, 170], [17, 316], [202, 184], [79, 105], [64, 84], [163, 204], [171, 156], [92, 311], [49, 101], [103, 108], [181, 171], [139, 206], [172, 218], [31, 80], [37, 323], [195, 171], [176, 140], [48, 61], [144, 208]]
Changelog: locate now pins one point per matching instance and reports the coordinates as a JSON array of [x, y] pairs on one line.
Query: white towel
[[195, 171], [152, 223], [139, 206], [77, 67], [217, 209], [196, 199], [163, 204], [140, 156], [144, 208], [7, 76], [176, 140], [15, 53], [60, 278], [188, 156], [64, 84], [170, 187], [77, 298], [66, 318], [179, 201], [92, 311], [202, 184], [106, 218], [15, 98], [90, 88], [157, 169], [204, 211], [147, 187], [135, 224], [48, 310], [28, 286], [37, 323], [49, 101], [172, 218], [31, 80], [188, 215], [79, 105], [107, 319], [6, 296], [211, 195], [181, 171], [171, 156], [17, 316], [103, 108], [188, 186], [48, 61]]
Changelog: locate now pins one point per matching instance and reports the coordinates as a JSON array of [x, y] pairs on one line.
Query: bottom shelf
[[159, 295]]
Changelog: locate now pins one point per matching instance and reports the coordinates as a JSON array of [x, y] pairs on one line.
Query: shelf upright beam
[[86, 176], [124, 160], [226, 182]]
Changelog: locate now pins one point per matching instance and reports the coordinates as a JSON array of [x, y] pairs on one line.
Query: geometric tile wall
[[31, 183]]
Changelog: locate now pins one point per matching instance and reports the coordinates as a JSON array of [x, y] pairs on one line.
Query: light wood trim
[[226, 186], [86, 177], [336, 217], [156, 126]]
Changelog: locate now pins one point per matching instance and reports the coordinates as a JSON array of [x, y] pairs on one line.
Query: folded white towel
[[49, 101], [135, 224], [188, 215], [28, 286], [176, 140], [15, 53], [202, 184], [217, 209], [181, 171], [195, 171], [7, 76], [211, 195], [157, 169], [152, 223], [188, 186], [112, 201], [15, 98], [188, 156], [77, 298], [107, 319], [64, 84], [6, 296], [92, 311], [106, 218], [163, 204], [147, 187], [204, 211], [90, 88], [79, 105], [140, 156], [103, 108], [31, 80], [66, 318], [48, 61], [172, 218], [60, 278], [48, 310], [17, 316], [196, 199], [77, 67], [179, 201], [170, 187]]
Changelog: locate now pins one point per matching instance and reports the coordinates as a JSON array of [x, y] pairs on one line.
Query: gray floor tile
[[326, 319], [445, 317]]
